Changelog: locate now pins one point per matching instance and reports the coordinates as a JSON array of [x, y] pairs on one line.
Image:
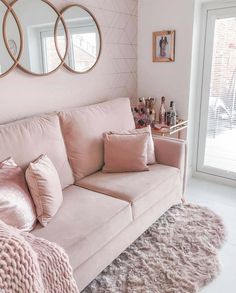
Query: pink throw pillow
[[45, 188], [125, 153], [16, 205], [150, 144]]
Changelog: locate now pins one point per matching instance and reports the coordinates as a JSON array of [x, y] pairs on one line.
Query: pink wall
[[115, 75]]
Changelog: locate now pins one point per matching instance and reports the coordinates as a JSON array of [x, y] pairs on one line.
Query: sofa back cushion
[[27, 139], [83, 130]]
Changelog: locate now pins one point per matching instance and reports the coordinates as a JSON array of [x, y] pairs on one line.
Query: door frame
[[208, 15]]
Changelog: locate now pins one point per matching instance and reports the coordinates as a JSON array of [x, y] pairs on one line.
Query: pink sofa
[[102, 214]]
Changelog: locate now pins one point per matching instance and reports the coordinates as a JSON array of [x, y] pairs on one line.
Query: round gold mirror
[[10, 46], [37, 19], [84, 38]]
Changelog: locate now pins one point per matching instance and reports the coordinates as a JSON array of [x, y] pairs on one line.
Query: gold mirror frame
[[55, 38], [16, 60], [10, 9], [99, 32]]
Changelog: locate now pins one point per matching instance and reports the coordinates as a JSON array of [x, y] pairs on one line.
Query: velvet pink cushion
[[16, 205], [150, 144], [125, 153], [45, 188]]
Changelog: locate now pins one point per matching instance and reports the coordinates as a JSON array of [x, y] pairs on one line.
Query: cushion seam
[[115, 237], [39, 197], [90, 189], [151, 189], [176, 185], [129, 201]]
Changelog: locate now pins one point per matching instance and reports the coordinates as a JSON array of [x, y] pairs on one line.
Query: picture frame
[[164, 46]]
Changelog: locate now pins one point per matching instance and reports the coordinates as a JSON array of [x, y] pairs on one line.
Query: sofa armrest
[[172, 152]]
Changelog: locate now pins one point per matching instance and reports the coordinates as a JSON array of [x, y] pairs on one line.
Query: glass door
[[217, 136]]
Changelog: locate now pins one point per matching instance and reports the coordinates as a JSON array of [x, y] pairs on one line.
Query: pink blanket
[[31, 264]]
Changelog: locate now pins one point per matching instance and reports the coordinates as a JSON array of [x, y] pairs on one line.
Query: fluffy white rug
[[177, 254]]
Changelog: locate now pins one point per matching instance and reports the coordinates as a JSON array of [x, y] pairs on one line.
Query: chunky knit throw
[[31, 264]]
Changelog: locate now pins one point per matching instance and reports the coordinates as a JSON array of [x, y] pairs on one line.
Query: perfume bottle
[[162, 112]]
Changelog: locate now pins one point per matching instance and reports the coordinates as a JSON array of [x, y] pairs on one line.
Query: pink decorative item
[[32, 264], [125, 153], [16, 206], [45, 188], [144, 114], [150, 144]]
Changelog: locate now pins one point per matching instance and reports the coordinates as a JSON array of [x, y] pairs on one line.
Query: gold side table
[[164, 130]]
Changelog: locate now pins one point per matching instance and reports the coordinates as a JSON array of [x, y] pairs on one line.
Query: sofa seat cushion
[[142, 189], [28, 139], [85, 223]]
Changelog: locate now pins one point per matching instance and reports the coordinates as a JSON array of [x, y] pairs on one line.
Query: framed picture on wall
[[164, 46]]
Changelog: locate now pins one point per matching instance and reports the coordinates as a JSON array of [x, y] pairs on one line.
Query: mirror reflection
[[84, 39], [37, 19], [7, 61]]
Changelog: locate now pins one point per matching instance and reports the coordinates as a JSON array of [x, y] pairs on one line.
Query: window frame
[[209, 13], [48, 32]]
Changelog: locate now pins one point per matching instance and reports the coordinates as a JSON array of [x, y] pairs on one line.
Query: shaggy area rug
[[177, 254]]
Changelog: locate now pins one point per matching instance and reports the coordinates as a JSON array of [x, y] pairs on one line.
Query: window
[[217, 140], [82, 55], [84, 50], [50, 58]]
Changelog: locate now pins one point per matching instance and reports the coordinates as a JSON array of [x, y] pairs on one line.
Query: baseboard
[[213, 178]]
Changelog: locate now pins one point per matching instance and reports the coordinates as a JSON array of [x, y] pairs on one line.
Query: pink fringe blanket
[[31, 264]]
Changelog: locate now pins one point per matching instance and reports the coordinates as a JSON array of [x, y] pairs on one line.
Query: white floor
[[222, 200]]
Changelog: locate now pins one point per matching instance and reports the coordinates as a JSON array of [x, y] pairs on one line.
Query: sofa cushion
[[85, 223], [16, 205], [142, 189], [125, 153], [27, 139], [83, 130], [45, 188], [150, 144]]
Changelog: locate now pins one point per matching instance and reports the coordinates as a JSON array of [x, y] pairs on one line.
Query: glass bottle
[[173, 115], [152, 115], [141, 104], [162, 112]]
